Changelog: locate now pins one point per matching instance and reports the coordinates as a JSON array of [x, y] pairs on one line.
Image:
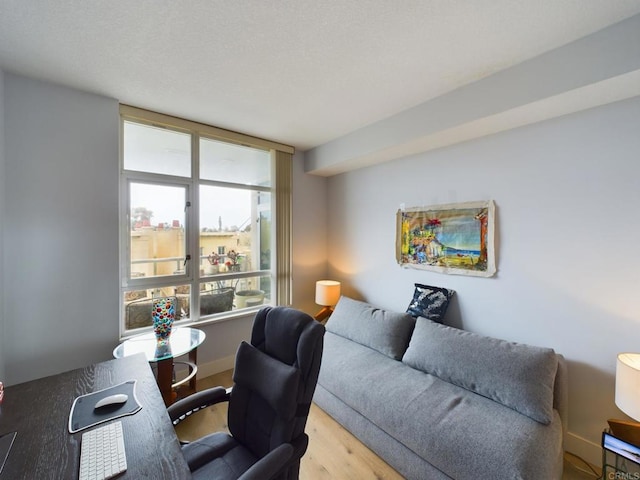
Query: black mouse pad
[[84, 415]]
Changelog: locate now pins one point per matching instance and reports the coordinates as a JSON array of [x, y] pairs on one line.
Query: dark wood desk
[[44, 448]]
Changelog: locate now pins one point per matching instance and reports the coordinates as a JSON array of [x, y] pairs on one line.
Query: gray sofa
[[438, 402]]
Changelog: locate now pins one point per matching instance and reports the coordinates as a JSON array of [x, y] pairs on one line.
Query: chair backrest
[[274, 379]]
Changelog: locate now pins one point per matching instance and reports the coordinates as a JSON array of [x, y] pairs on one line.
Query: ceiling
[[299, 72]]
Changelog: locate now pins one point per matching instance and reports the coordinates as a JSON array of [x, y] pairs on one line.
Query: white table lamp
[[627, 398], [628, 384], [327, 295]]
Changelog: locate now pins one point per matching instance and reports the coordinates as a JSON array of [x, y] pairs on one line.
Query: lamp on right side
[[628, 384], [327, 295], [627, 397]]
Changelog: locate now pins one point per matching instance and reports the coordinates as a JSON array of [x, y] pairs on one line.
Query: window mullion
[[194, 227]]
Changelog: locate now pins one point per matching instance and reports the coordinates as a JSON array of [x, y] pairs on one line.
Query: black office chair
[[274, 380]]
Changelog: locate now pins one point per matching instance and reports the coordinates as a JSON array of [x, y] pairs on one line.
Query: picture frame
[[455, 238]]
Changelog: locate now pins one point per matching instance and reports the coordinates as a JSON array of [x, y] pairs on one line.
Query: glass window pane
[[234, 294], [137, 304], [157, 234], [227, 162], [156, 150], [232, 230], [265, 225]]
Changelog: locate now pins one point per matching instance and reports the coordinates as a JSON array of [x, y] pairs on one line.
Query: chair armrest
[[269, 465], [300, 445], [191, 404]]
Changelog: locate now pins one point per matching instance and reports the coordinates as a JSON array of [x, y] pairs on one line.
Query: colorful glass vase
[[163, 313]]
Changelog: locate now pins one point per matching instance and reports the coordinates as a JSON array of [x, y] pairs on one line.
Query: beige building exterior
[[161, 251]]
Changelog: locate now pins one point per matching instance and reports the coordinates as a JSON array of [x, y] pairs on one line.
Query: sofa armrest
[[561, 393]]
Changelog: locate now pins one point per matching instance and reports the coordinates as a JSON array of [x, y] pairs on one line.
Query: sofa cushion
[[461, 433], [429, 302], [385, 331], [516, 375]]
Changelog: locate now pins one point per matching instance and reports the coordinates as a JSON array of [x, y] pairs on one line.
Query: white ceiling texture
[[300, 72]]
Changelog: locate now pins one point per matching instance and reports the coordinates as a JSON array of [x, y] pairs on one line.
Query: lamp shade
[[628, 384], [327, 292]]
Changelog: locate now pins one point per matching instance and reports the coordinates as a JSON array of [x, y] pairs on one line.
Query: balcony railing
[[242, 264]]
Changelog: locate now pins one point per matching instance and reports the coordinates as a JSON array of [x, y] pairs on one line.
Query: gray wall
[[2, 207], [595, 70], [59, 224], [60, 228], [567, 193], [309, 243]]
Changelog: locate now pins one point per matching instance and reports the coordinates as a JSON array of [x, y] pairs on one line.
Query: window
[[205, 218]]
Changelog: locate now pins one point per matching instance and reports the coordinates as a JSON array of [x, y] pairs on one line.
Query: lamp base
[[323, 314], [625, 430]]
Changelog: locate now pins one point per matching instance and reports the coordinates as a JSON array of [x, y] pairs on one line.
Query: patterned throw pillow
[[430, 302]]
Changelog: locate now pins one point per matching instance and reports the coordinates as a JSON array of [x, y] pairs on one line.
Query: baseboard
[[585, 449]]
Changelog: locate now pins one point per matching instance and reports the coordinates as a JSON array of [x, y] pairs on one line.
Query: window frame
[[280, 191]]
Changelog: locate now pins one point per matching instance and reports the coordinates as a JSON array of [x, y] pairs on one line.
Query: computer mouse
[[112, 400]]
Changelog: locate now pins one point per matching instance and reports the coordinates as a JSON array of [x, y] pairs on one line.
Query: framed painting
[[455, 238]]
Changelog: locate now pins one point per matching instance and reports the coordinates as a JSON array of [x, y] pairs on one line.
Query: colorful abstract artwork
[[454, 238]]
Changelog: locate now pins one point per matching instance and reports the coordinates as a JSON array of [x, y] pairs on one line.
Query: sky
[[167, 204], [166, 152]]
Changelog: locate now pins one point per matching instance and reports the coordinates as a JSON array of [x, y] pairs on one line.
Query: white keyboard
[[102, 452]]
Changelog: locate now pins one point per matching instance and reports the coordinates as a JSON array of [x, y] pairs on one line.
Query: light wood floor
[[333, 452]]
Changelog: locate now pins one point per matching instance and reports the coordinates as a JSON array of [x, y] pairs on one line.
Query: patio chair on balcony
[[216, 301], [138, 312]]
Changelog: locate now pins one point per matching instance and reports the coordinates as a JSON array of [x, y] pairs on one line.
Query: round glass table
[[183, 340]]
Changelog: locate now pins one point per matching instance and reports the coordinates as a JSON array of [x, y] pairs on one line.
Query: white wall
[[60, 234], [2, 207], [60, 228], [309, 243], [595, 70], [567, 193]]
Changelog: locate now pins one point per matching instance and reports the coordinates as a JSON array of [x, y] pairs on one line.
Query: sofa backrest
[[531, 380], [519, 376], [383, 330]]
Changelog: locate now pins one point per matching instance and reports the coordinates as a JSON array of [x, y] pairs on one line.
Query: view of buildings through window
[[198, 223]]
